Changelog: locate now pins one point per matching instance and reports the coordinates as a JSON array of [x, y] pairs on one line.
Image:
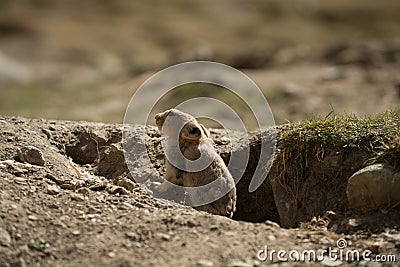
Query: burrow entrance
[[297, 188]]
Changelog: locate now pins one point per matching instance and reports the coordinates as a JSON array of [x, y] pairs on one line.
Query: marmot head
[[173, 120]]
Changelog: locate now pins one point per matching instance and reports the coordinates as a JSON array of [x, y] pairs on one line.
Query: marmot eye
[[194, 131]]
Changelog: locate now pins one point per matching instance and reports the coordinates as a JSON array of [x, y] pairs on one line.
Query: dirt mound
[[81, 207]]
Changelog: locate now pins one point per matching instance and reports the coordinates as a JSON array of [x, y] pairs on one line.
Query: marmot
[[194, 141]]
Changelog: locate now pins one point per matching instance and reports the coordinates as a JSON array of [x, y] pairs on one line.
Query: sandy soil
[[66, 213]]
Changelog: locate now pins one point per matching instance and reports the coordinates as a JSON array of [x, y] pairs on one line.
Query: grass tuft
[[316, 157], [346, 132]]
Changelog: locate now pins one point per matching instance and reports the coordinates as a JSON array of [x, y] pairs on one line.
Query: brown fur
[[194, 139]]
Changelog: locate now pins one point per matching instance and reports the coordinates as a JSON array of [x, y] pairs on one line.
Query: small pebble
[[273, 224], [214, 227], [271, 237], [52, 177], [125, 206], [53, 189], [127, 184], [352, 222], [68, 186], [225, 140], [5, 239], [32, 217], [47, 133], [118, 190], [98, 186], [164, 237], [329, 262], [205, 263], [20, 180], [77, 197], [76, 232], [18, 171]]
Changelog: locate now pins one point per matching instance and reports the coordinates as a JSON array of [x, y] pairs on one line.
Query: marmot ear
[[206, 132], [192, 132]]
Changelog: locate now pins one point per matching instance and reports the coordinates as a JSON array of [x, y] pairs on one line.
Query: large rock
[[32, 155], [374, 187]]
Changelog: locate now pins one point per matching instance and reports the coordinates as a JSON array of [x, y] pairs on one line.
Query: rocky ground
[[66, 200]]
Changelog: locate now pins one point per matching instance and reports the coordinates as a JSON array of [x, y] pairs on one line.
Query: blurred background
[[83, 60]]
